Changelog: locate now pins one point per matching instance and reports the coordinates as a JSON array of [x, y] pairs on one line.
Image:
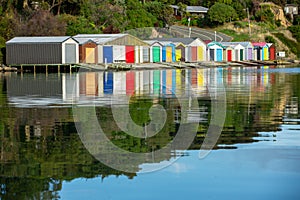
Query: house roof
[[39, 39], [193, 9]]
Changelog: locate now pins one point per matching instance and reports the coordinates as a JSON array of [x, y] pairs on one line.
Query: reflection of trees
[[39, 147]]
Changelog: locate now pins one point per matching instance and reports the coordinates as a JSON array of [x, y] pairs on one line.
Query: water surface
[[257, 155]]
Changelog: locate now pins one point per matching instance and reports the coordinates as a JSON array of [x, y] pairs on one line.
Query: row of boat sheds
[[125, 48]]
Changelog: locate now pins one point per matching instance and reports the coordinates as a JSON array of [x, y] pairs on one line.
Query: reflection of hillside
[[42, 142]]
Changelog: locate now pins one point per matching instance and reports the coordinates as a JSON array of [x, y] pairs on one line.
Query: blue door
[[164, 54], [219, 55], [107, 54]]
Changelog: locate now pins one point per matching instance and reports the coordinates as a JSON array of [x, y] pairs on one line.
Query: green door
[[156, 54], [241, 54]]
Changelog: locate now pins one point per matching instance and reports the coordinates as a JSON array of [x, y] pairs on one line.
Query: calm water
[[47, 152]]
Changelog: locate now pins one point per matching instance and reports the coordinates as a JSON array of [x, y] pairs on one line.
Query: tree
[[220, 13], [162, 12], [42, 23]]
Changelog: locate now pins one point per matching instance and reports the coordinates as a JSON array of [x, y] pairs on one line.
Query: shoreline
[[143, 66]]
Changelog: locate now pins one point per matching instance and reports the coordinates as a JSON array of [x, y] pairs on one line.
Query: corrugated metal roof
[[100, 35], [193, 9], [51, 39]]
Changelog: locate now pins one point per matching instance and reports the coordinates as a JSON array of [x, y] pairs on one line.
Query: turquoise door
[[219, 55]]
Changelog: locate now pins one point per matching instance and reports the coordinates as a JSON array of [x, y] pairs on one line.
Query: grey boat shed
[[42, 50]]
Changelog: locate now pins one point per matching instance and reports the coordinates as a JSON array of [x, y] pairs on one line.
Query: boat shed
[[272, 51], [195, 49], [248, 50], [239, 50], [42, 50], [261, 50], [87, 50], [215, 51], [229, 53], [155, 51]]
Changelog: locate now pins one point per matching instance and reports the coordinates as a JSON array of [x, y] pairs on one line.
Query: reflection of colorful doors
[[108, 82], [90, 55], [178, 54], [156, 82], [91, 84], [130, 86]]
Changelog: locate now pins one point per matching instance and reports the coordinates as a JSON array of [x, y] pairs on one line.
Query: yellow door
[[200, 54], [90, 55], [169, 54], [266, 54], [178, 54]]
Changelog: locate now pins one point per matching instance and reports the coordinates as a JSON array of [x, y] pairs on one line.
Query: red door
[[129, 54], [272, 53], [194, 54], [229, 55]]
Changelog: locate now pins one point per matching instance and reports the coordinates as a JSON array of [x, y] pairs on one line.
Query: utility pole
[[190, 29], [249, 21]]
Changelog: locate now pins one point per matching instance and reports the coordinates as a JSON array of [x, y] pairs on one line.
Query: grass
[[237, 37]]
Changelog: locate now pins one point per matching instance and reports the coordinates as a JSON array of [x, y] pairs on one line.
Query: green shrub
[[270, 39], [295, 31], [292, 45]]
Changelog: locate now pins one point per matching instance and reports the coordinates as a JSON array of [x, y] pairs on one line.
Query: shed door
[[258, 54], [70, 53], [250, 56], [266, 53], [241, 54], [200, 54], [168, 54], [219, 55], [178, 54], [107, 54], [236, 52], [229, 55], [272, 53], [164, 54], [145, 54], [156, 54], [90, 55], [211, 54], [194, 54], [129, 54]]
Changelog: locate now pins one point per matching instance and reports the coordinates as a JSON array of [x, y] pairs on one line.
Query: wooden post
[[46, 70]]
